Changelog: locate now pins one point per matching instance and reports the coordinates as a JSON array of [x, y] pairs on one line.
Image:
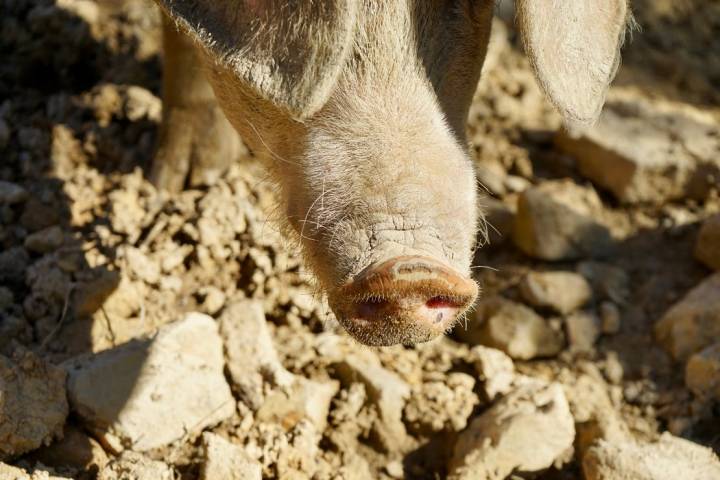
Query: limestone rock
[[670, 458], [707, 248], [702, 372], [495, 369], [261, 380], [385, 389], [134, 466], [251, 357], [644, 151], [224, 460], [148, 393], [513, 328], [33, 405], [558, 221], [529, 430], [692, 323], [563, 292]]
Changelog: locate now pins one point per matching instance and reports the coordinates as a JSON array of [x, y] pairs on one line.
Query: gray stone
[[12, 193], [528, 430], [693, 323], [608, 281], [558, 220], [148, 393], [670, 458], [513, 328], [226, 461], [648, 151], [33, 405], [707, 248], [563, 292], [45, 240]]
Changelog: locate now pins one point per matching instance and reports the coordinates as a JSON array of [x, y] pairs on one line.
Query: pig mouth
[[404, 300]]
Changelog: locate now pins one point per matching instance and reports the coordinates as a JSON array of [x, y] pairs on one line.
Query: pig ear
[[574, 48], [289, 53]]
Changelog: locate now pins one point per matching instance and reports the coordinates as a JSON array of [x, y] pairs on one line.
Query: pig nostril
[[440, 301], [369, 308]]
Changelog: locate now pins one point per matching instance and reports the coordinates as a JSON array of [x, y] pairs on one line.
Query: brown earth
[[92, 256]]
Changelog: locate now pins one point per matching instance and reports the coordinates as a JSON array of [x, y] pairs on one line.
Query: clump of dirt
[[93, 257]]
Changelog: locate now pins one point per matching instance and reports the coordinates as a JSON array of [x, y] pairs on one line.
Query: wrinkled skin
[[372, 168]]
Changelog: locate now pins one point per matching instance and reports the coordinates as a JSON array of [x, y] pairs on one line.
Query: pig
[[358, 108]]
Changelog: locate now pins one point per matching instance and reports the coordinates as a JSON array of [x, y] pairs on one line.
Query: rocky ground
[[144, 336]]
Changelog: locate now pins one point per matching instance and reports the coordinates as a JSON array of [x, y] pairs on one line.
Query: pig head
[[359, 107]]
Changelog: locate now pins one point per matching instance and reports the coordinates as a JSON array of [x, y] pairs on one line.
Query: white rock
[[251, 357], [529, 430], [33, 406], [495, 369], [226, 461], [707, 248], [558, 220], [134, 466], [646, 151], [671, 458], [563, 292], [261, 380], [702, 372], [513, 328], [692, 323], [385, 389], [148, 393]]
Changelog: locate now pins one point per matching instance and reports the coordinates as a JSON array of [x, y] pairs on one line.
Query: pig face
[[359, 107]]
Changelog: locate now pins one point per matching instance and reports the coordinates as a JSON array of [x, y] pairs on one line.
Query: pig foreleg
[[196, 143]]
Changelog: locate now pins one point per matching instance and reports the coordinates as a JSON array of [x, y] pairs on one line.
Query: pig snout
[[407, 299]]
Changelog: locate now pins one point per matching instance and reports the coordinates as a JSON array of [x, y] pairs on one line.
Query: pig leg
[[196, 142]]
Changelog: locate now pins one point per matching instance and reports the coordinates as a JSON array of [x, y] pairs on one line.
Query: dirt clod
[[33, 407]]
